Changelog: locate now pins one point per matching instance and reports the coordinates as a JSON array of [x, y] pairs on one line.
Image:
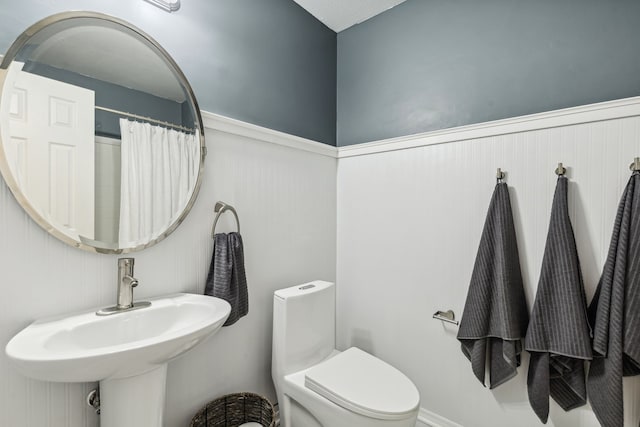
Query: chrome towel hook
[[220, 208], [561, 170]]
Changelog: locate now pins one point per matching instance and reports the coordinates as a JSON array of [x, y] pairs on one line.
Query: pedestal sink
[[127, 352]]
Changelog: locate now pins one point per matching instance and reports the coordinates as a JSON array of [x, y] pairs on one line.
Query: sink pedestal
[[127, 352], [136, 401]]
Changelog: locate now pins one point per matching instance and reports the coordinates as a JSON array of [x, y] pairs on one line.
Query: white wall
[[409, 224], [285, 198]]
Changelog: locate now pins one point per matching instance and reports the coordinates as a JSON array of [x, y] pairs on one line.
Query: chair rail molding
[[238, 127], [609, 110]]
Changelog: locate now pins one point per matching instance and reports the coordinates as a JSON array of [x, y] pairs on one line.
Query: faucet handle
[[125, 267], [126, 262]]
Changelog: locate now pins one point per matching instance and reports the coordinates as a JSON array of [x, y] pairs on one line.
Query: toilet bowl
[[319, 386]]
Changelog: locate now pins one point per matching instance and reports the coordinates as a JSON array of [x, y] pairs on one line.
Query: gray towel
[[615, 313], [226, 278], [495, 314], [559, 336]]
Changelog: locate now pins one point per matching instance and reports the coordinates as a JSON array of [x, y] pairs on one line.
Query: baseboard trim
[[627, 107], [427, 418]]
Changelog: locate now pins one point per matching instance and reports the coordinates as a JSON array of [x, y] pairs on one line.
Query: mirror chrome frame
[[5, 169]]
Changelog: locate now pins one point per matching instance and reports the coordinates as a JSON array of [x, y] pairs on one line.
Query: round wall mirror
[[101, 138]]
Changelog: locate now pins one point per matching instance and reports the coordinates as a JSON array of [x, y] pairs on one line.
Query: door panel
[[54, 123]]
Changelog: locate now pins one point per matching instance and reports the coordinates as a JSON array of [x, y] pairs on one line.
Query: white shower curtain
[[159, 171]]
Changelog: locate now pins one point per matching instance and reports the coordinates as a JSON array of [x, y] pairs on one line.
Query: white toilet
[[317, 385]]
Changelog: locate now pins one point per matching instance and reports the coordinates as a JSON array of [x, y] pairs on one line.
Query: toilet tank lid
[[303, 289], [364, 384]]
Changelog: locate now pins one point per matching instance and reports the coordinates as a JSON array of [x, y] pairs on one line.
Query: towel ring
[[220, 208]]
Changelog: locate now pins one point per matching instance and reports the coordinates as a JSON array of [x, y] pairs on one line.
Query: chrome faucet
[[126, 283]]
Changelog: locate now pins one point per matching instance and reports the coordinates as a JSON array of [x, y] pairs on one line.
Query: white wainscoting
[[410, 215], [285, 194]]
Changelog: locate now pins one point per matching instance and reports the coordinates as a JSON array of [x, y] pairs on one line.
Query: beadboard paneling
[[285, 198], [409, 224]]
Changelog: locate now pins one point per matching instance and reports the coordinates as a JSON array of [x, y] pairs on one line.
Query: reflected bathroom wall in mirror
[[102, 140]]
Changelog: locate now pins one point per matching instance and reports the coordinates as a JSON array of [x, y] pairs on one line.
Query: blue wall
[[421, 66], [266, 62], [434, 64]]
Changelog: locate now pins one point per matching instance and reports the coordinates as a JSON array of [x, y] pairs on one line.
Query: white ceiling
[[342, 14]]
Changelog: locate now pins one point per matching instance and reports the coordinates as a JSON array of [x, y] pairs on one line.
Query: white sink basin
[[119, 349], [85, 347]]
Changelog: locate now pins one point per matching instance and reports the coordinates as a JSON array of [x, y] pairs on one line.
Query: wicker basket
[[236, 409]]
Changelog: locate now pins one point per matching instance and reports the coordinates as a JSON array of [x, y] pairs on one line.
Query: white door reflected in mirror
[[47, 126]]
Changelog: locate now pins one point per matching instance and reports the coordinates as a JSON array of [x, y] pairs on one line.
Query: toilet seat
[[364, 384]]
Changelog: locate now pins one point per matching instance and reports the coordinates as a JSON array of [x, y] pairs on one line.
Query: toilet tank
[[304, 318]]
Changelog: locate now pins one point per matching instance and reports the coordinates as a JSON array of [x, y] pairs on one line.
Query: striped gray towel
[[226, 278], [615, 313], [559, 336], [495, 313]]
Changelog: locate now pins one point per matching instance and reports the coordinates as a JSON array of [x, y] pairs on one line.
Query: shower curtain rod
[[147, 119]]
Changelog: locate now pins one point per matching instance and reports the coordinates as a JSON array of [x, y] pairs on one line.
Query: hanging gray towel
[[495, 313], [615, 313], [559, 336], [226, 278]]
